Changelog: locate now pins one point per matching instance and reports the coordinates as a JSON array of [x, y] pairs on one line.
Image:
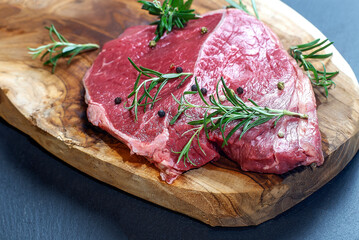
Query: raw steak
[[242, 50]]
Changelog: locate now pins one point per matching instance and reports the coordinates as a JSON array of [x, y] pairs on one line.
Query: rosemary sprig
[[185, 151], [318, 78], [61, 48], [243, 7], [218, 116], [155, 78], [171, 13]]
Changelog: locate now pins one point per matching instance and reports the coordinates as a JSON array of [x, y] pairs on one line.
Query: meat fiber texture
[[237, 47]]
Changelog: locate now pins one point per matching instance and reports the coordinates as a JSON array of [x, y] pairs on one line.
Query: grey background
[[43, 198]]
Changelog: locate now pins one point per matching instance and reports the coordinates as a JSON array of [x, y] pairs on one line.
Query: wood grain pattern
[[51, 109]]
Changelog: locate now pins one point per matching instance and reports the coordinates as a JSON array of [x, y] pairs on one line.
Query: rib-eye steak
[[237, 47]]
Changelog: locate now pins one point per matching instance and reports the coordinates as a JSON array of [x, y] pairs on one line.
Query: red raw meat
[[238, 47]]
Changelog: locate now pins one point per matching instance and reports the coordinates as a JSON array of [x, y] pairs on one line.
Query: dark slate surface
[[43, 198]]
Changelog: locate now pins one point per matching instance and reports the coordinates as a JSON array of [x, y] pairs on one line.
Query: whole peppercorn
[[204, 91], [280, 85], [161, 113], [204, 30], [152, 44], [239, 90], [179, 70], [222, 98], [194, 88], [280, 134], [118, 100]]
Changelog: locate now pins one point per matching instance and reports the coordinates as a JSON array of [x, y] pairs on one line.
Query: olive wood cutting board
[[51, 109]]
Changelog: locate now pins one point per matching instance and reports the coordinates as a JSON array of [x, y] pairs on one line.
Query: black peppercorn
[[161, 113], [179, 70], [240, 90], [204, 91], [194, 88], [118, 100]]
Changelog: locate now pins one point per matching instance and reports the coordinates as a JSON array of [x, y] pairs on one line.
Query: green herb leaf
[[171, 13], [59, 48], [155, 78], [318, 78], [219, 116], [243, 7]]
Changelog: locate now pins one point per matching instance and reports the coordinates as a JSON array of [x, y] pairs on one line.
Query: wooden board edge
[[105, 172], [67, 149], [139, 187], [337, 58]]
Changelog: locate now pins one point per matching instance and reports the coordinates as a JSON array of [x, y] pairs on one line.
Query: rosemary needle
[[218, 116], [59, 48], [318, 78], [171, 13], [155, 78], [243, 7]]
